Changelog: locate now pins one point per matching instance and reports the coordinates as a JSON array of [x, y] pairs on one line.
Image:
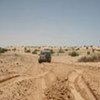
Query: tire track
[[44, 77], [78, 86]]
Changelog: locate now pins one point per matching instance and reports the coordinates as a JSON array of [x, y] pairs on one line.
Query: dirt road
[[23, 78]]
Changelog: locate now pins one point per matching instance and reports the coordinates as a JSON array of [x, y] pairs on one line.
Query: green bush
[[35, 51], [73, 54], [3, 50]]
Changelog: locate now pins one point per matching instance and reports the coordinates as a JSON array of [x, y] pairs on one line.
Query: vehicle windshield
[[45, 52]]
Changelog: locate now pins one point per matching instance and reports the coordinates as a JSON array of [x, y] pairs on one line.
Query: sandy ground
[[23, 78]]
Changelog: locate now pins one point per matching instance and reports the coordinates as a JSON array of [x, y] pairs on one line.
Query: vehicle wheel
[[40, 61], [49, 61]]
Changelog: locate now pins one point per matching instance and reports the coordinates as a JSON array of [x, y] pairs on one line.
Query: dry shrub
[[98, 50], [61, 50], [66, 49], [27, 51], [87, 47], [52, 51], [77, 49], [93, 50], [14, 49], [74, 54], [90, 58]]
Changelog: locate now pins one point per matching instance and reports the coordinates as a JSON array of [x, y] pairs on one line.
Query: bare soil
[[23, 78]]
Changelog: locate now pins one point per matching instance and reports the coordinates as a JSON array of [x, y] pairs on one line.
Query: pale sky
[[49, 22]]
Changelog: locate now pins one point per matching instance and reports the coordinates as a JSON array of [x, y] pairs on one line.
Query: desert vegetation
[[27, 50], [52, 51], [35, 51], [14, 49], [33, 81], [88, 52], [90, 58], [60, 50], [3, 50], [73, 54]]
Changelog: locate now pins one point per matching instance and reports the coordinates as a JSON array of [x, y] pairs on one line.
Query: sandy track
[[34, 79]]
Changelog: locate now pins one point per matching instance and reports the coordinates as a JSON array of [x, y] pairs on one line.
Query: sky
[[49, 22]]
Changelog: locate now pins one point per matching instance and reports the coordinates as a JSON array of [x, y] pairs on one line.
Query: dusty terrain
[[23, 78]]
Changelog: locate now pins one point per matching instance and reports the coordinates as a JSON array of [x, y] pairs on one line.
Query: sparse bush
[[73, 54], [27, 51], [91, 46], [87, 47], [90, 58], [35, 51], [66, 49], [93, 50], [98, 50], [52, 51], [77, 49], [61, 50], [14, 49], [88, 52]]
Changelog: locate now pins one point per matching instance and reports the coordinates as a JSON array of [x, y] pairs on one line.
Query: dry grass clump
[[90, 58]]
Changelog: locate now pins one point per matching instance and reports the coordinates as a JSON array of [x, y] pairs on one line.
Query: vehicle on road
[[45, 56]]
